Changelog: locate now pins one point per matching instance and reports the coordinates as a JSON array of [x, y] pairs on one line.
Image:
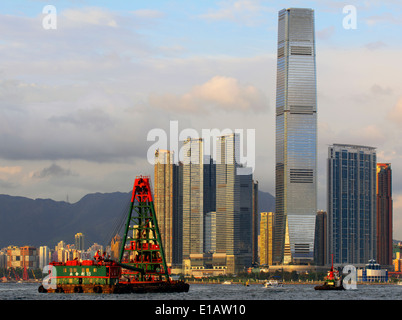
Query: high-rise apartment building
[[163, 196], [384, 214], [20, 257], [352, 203], [115, 246], [296, 137], [79, 242], [44, 256], [193, 197], [168, 204]]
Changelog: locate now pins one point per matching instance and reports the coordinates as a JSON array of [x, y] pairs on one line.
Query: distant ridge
[[39, 222]]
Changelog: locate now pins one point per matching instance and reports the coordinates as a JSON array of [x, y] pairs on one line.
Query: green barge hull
[[101, 278]]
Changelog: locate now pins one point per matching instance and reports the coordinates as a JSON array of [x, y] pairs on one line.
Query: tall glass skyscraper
[[384, 214], [193, 197], [352, 203], [168, 204], [234, 197], [296, 138], [164, 199]]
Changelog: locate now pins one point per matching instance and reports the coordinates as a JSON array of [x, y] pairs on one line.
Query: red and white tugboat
[[333, 280]]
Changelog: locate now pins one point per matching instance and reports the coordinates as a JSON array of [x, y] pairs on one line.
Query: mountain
[[39, 222], [266, 202]]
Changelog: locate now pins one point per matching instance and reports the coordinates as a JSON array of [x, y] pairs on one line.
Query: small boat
[[273, 284], [227, 282], [247, 283], [332, 280]]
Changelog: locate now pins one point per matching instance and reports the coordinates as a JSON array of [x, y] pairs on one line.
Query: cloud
[[384, 18], [375, 45], [395, 115], [377, 89], [325, 33], [53, 170], [219, 93], [7, 171], [148, 13], [245, 12], [89, 16], [369, 134], [94, 117]]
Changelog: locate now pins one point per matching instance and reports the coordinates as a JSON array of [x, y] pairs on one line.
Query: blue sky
[[76, 103]]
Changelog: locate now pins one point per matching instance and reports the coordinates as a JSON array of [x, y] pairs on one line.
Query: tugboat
[[332, 280], [141, 266]]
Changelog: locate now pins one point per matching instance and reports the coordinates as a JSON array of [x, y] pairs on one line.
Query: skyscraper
[[255, 219], [321, 239], [80, 242], [168, 204], [296, 137], [44, 256], [384, 214], [163, 171], [266, 237], [234, 205], [193, 197], [352, 203]]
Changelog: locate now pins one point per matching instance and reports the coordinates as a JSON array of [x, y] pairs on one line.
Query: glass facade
[[384, 214], [163, 170], [193, 197], [352, 203], [296, 137], [234, 204], [266, 236], [210, 232]]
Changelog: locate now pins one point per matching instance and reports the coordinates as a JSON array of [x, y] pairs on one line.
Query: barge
[[140, 268]]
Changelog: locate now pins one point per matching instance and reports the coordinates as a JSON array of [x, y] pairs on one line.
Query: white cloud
[[218, 93], [383, 18], [245, 12], [326, 33], [92, 16], [7, 171], [148, 13], [395, 115]]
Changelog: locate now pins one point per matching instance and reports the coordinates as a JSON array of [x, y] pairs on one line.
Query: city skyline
[[76, 107]]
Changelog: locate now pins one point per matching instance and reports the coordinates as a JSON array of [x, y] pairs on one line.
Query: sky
[[80, 95]]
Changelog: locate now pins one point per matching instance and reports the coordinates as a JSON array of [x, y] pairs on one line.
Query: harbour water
[[213, 292], [207, 301]]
